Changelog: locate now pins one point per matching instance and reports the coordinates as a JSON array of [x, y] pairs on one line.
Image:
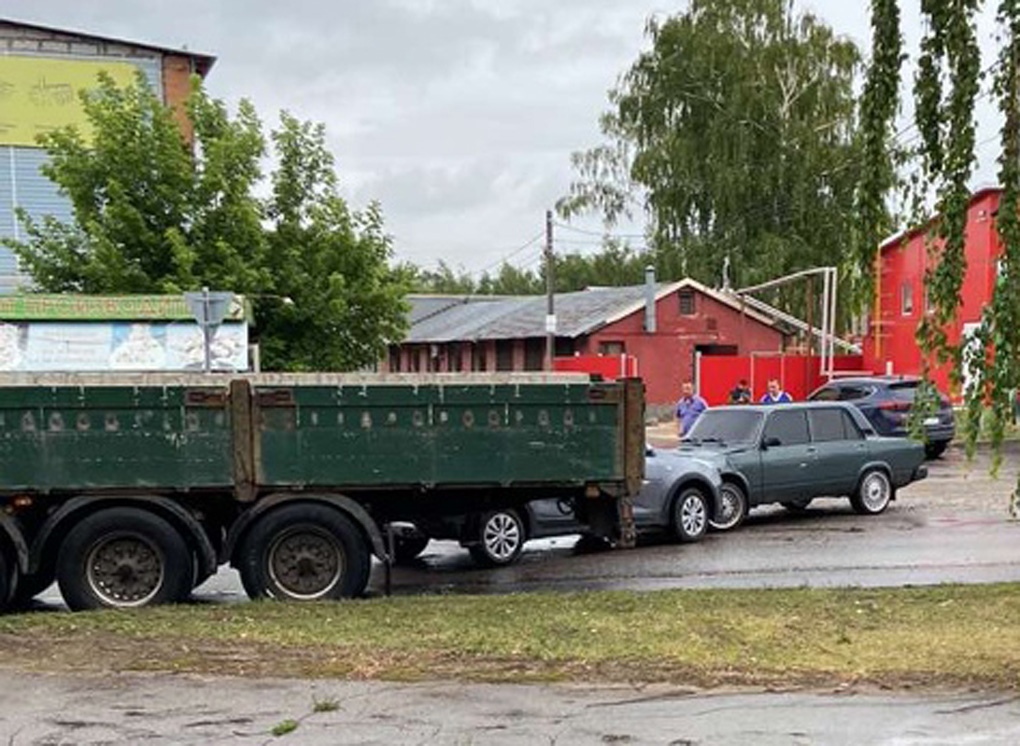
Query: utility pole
[[550, 285]]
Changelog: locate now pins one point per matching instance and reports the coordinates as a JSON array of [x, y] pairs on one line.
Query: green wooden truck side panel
[[110, 437], [294, 434], [397, 435]]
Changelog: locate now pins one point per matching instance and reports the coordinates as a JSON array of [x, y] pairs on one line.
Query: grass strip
[[947, 635]]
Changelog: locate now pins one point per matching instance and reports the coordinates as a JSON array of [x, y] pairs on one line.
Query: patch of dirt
[[94, 652]]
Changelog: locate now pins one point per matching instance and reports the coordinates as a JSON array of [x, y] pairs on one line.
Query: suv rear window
[[853, 392], [903, 390], [826, 394]]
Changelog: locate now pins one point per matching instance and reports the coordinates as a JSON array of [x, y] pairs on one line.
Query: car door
[[787, 456], [838, 451]]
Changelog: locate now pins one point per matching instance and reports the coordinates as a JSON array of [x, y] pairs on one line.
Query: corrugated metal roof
[[466, 319], [480, 318], [577, 313], [426, 306]]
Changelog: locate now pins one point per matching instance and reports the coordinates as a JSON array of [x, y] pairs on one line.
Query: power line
[[506, 257], [603, 234]]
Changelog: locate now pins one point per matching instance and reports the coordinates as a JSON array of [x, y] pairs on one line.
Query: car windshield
[[725, 426]]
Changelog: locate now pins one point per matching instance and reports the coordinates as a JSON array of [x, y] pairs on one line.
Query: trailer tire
[[304, 552], [123, 557]]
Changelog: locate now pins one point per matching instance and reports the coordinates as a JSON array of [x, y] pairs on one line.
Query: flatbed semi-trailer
[[133, 489]]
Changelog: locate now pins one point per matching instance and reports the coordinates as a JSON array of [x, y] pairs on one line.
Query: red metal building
[[664, 327], [901, 299]]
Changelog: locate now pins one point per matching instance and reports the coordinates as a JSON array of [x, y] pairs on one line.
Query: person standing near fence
[[741, 393], [688, 408], [775, 394]]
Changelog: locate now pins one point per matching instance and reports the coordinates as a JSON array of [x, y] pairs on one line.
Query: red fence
[[609, 367], [799, 375]]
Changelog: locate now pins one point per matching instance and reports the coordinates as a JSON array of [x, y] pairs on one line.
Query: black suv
[[886, 401]]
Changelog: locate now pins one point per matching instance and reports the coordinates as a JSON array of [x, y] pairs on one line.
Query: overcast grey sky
[[459, 116]]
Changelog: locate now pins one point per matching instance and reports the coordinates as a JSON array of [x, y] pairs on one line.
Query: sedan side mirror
[[771, 442]]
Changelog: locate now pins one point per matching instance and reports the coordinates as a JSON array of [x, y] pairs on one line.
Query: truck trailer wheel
[[123, 558], [304, 552]]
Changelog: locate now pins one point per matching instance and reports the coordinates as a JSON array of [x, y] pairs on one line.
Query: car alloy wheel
[[690, 515], [732, 508], [500, 539], [874, 493]]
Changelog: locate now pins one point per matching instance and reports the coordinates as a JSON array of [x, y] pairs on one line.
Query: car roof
[[785, 405], [871, 380]]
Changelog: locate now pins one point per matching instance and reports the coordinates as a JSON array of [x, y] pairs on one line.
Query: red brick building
[[485, 333], [901, 298]]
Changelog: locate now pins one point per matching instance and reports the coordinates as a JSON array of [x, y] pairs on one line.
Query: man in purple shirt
[[775, 393], [688, 408]]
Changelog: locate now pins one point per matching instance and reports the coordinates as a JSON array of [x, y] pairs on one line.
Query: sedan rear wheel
[[732, 508], [690, 515], [874, 493]]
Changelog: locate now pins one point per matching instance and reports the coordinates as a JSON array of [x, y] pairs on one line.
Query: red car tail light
[[894, 406]]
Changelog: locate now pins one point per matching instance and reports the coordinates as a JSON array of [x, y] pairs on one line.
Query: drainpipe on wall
[[650, 299]]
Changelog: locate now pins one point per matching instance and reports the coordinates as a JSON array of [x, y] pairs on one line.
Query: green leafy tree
[[154, 213], [736, 132], [332, 261], [443, 281], [946, 88]]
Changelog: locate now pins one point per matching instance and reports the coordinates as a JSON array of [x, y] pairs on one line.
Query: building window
[[455, 361], [534, 354], [394, 359], [435, 361], [505, 354], [614, 349], [686, 298], [907, 299], [478, 358]]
